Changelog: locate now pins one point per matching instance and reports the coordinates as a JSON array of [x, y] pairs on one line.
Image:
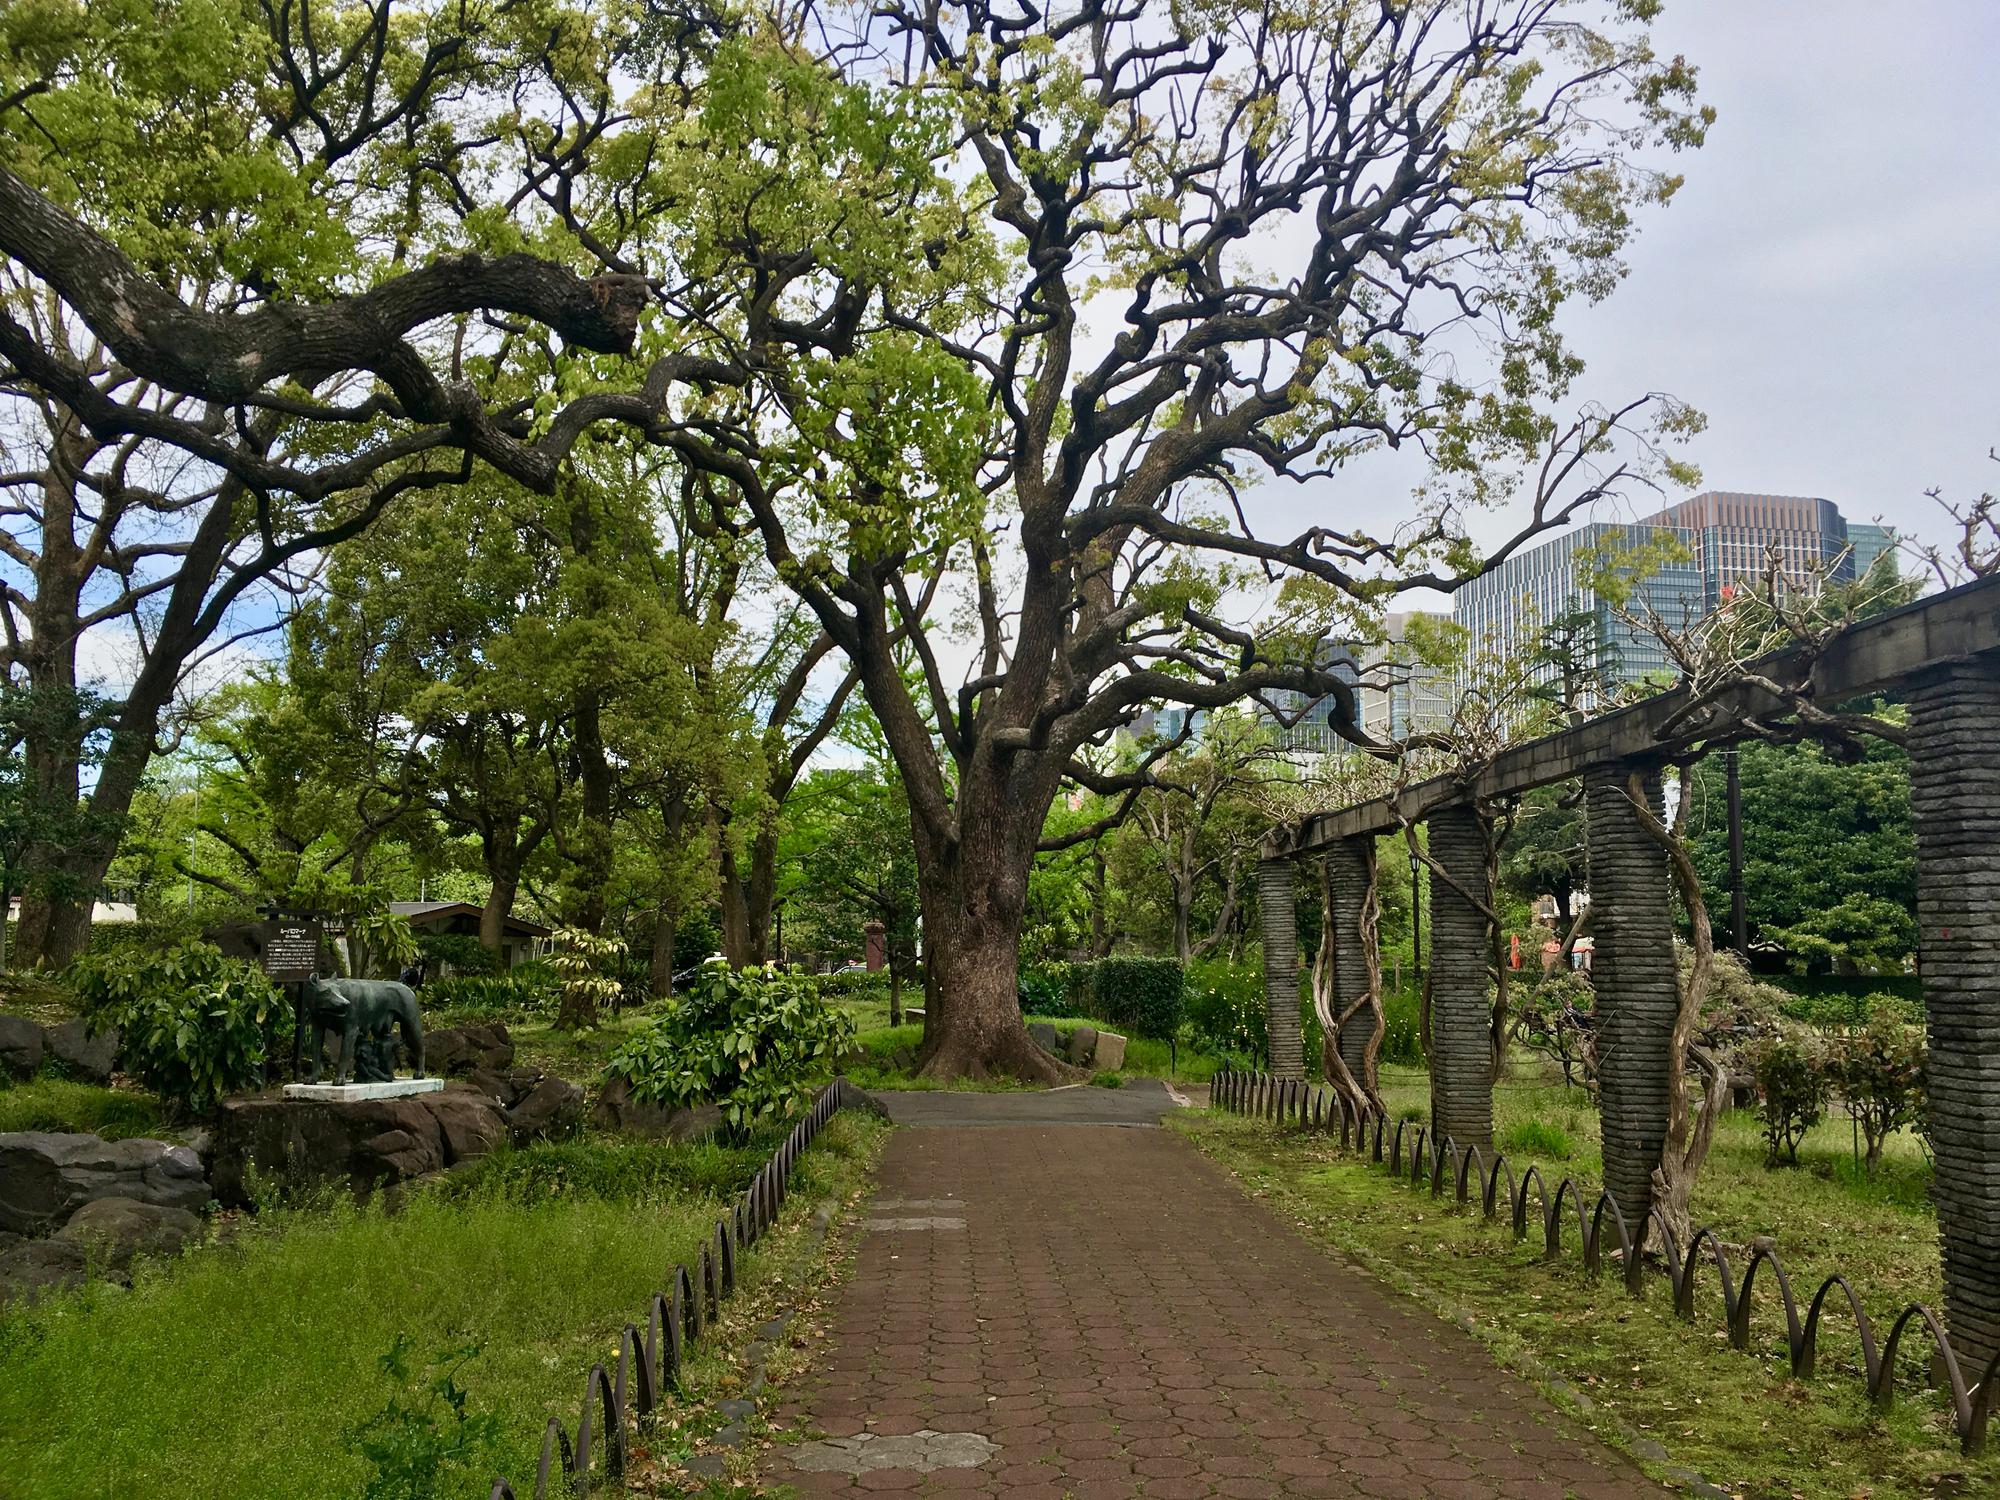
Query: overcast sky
[[1826, 286]]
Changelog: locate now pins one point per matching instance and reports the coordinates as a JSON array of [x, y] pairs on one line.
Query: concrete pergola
[[1943, 653]]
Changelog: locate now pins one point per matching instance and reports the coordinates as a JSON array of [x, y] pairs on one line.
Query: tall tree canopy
[[1037, 295]]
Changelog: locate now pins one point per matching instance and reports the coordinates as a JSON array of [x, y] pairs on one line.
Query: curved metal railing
[[1417, 1155], [618, 1402]]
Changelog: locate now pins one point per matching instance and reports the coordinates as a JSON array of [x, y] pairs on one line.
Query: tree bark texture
[[1461, 1015], [1955, 795], [1637, 982], [1277, 905]]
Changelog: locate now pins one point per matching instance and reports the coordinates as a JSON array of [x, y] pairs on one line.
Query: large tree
[[1037, 293], [1041, 292]]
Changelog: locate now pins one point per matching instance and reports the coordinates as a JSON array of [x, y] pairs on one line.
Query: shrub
[[460, 952], [1402, 1027], [1224, 1008], [753, 1040], [427, 1442], [1791, 1089], [1557, 1020], [1880, 1073], [1144, 996], [1053, 989], [193, 1023], [587, 965], [529, 989]]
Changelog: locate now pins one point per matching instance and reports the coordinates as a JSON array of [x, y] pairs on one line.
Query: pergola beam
[[1865, 658]]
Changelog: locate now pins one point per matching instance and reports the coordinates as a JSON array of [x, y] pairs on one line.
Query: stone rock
[[1082, 1046], [616, 1109], [473, 1124], [114, 1230], [1110, 1055], [499, 1087], [21, 1046], [453, 1051], [86, 1058], [552, 1108], [370, 1143], [1045, 1036], [34, 1268], [45, 1177]]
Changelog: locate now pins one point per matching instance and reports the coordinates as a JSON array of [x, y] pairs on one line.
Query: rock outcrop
[[46, 1177]]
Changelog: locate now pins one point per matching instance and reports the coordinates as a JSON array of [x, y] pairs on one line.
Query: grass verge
[[1634, 1373], [57, 1104], [241, 1369]]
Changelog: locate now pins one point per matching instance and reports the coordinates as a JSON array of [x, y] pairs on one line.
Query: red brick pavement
[[1122, 1320]]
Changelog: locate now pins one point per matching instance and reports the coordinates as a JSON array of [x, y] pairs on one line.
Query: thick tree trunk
[[974, 898], [666, 922], [748, 898], [503, 872]]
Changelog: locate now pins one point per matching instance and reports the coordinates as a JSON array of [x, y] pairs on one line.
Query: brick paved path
[[1121, 1320]]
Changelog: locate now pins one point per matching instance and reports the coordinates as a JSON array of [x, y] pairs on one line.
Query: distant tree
[[1829, 850], [1543, 853]]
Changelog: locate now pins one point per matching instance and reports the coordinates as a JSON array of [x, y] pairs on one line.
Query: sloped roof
[[417, 912]]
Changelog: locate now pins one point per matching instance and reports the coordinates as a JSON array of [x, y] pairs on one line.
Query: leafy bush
[[530, 989], [1842, 1010], [1402, 1027], [194, 1024], [1556, 1014], [1791, 1089], [756, 1041], [587, 966], [387, 943], [460, 952], [108, 937], [1053, 989], [1225, 1010], [1538, 1138], [1143, 996], [1880, 1073], [430, 1446]]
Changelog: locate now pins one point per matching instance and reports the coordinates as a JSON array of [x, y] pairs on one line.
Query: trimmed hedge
[[1143, 996]]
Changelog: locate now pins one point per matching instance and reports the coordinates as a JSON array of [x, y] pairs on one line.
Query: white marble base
[[342, 1093]]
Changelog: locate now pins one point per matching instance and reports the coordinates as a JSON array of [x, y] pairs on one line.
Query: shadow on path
[[1141, 1102]]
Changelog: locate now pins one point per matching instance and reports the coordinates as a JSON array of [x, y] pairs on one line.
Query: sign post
[[291, 955]]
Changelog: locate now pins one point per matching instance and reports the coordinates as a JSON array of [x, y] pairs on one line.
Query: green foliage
[[385, 941], [1053, 988], [193, 1023], [1835, 1004], [1225, 1010], [1880, 1073], [610, 1169], [1537, 1139], [1402, 1026], [586, 966], [460, 952], [77, 1108], [1791, 1089], [1829, 851], [756, 1041], [1553, 1012], [530, 989], [427, 1442], [1142, 996]]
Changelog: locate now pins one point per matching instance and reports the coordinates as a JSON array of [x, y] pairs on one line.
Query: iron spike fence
[[1427, 1161], [620, 1402]]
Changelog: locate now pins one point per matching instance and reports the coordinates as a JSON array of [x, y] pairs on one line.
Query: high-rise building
[[1726, 540]]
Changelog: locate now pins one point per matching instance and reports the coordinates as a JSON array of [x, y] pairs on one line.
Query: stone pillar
[[1637, 982], [1955, 795], [1461, 1001], [876, 938], [1277, 909], [1350, 871]]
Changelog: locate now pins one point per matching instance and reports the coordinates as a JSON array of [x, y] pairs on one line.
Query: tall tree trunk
[[666, 922], [590, 853], [974, 897]]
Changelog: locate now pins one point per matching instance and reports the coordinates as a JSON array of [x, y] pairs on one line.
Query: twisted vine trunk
[[1347, 979]]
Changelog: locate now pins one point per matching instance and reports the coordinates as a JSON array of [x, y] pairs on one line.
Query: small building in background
[[520, 939]]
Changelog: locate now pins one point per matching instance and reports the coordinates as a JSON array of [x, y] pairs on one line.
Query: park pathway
[[1051, 1309]]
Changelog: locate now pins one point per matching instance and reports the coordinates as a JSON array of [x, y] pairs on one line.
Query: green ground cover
[[1737, 1418], [241, 1368], [47, 1103]]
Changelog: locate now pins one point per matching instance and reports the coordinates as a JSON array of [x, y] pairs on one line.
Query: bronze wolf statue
[[361, 1011]]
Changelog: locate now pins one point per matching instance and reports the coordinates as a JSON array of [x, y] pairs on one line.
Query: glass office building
[[1725, 541]]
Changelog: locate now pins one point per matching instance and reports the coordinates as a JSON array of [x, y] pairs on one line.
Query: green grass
[[56, 1104], [1736, 1417], [237, 1369]]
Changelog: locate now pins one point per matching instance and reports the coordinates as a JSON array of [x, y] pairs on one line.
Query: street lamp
[[1416, 921]]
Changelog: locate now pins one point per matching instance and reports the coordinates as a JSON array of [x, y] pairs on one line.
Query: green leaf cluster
[[193, 1025], [755, 1041]]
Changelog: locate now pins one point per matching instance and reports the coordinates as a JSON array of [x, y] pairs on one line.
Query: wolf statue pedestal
[[368, 1015]]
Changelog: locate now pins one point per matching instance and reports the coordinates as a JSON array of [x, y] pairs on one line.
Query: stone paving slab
[[1120, 1319], [1143, 1101]]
